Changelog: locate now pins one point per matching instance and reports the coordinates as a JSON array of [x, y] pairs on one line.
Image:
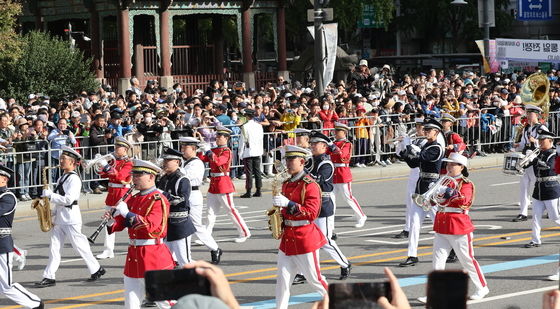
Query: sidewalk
[[97, 201]]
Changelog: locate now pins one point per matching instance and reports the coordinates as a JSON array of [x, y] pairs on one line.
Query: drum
[[510, 163]]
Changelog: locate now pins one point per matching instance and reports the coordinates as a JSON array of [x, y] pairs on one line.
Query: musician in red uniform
[[453, 141], [453, 227], [221, 188], [342, 178], [119, 183], [145, 215], [301, 238]]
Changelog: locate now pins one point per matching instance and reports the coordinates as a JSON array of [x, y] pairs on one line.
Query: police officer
[[177, 188], [428, 159], [528, 143], [547, 188], [193, 168], [323, 171], [10, 289]]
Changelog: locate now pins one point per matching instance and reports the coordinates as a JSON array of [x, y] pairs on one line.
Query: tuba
[[535, 91], [43, 205], [274, 214], [432, 196]]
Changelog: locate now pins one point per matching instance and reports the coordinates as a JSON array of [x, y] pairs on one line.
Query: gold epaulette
[[465, 179], [307, 179], [157, 196]]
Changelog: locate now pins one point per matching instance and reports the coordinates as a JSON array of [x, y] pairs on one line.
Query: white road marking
[[503, 183], [392, 242], [470, 302]]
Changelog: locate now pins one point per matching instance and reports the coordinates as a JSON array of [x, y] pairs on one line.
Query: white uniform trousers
[[12, 290], [288, 266], [134, 293], [462, 244], [201, 232], [331, 247], [79, 242], [551, 207], [526, 185], [181, 250], [109, 242], [410, 188], [416, 219], [215, 203], [345, 190]]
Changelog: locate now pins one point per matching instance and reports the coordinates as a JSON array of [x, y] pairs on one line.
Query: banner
[[330, 40], [494, 65], [528, 50]]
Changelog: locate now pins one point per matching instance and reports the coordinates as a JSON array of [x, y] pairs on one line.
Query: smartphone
[[447, 289], [174, 284], [357, 295]]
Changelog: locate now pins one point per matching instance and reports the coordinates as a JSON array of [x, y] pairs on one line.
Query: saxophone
[[43, 204], [275, 214]]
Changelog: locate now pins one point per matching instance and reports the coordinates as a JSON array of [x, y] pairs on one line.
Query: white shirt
[[72, 187], [194, 171], [251, 140]]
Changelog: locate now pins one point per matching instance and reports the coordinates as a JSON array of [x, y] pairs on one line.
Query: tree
[[47, 65], [10, 43]]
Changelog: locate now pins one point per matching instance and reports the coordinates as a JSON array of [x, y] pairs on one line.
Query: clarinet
[[105, 221]]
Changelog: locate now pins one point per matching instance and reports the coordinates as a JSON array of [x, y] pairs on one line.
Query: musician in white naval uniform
[[193, 169], [412, 178], [68, 220], [528, 142], [8, 288]]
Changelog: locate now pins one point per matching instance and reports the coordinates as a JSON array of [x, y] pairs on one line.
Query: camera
[[357, 295], [174, 284]]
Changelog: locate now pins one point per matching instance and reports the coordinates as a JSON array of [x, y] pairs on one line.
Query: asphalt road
[[514, 274]]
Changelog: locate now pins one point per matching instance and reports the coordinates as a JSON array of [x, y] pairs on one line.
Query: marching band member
[[119, 183], [302, 137], [68, 220], [412, 180], [453, 226], [221, 188], [145, 215], [10, 289], [177, 188], [193, 168], [528, 142], [428, 159], [547, 188], [301, 239], [342, 175], [323, 171]]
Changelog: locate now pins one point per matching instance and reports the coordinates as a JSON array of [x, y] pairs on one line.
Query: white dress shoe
[[480, 293], [554, 277], [241, 239], [361, 222], [423, 299], [105, 255]]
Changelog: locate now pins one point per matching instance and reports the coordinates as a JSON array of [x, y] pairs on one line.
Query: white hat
[[363, 62], [187, 140], [302, 131], [71, 153], [401, 92], [146, 167], [458, 158], [296, 151], [341, 126], [448, 117], [223, 130], [533, 108], [31, 96], [121, 141], [387, 67]]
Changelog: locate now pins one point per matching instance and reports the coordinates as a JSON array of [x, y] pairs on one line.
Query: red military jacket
[[306, 193], [454, 139], [457, 223], [342, 174], [147, 219], [219, 163], [120, 177]]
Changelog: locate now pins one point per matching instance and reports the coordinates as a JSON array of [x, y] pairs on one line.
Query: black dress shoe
[[148, 304], [345, 272], [299, 279], [41, 306], [257, 194], [452, 258], [96, 275], [246, 195], [45, 283], [532, 245], [215, 255], [402, 234], [334, 237], [410, 261], [519, 218]]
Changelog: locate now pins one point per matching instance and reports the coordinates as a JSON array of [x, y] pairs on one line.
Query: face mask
[[325, 107], [178, 90], [234, 118], [148, 119]]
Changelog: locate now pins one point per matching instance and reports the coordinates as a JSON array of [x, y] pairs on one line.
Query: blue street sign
[[534, 9]]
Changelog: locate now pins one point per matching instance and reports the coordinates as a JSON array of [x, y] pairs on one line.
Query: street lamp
[[459, 2], [319, 44]]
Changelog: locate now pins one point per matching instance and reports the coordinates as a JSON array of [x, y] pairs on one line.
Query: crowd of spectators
[[377, 103]]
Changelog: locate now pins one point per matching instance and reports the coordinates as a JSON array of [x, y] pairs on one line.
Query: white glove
[[122, 209], [46, 193], [415, 149], [102, 163], [441, 190], [280, 201]]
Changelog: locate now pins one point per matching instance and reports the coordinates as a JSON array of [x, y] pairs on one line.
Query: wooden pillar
[[96, 45], [247, 37], [124, 51], [218, 44], [139, 62], [281, 28], [166, 79]]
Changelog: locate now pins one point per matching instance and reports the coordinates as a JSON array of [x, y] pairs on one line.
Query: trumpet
[[526, 161], [433, 195], [99, 162]]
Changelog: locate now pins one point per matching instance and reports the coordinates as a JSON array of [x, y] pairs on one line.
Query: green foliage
[[10, 44], [47, 65]]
